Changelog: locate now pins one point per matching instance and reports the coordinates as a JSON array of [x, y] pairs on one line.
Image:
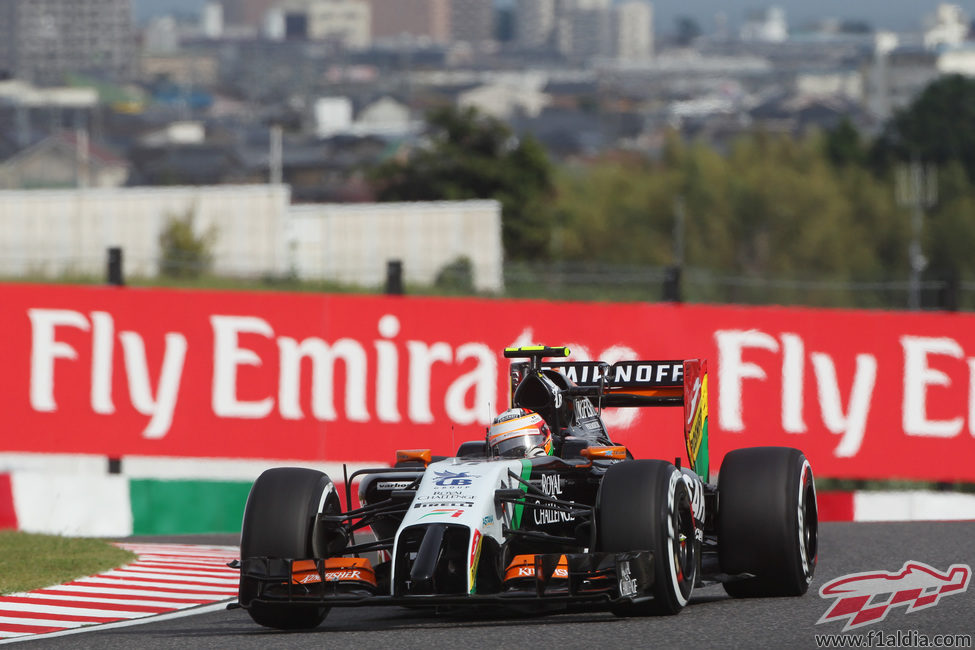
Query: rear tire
[[279, 521], [767, 521], [644, 505]]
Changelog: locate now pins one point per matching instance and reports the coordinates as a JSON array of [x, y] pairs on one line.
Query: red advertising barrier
[[126, 371]]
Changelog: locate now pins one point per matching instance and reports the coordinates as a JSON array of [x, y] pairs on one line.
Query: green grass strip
[[31, 561]]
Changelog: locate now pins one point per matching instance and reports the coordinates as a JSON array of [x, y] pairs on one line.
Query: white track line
[[173, 578], [75, 611], [205, 609], [95, 600], [172, 574], [183, 595], [142, 586], [51, 622], [180, 580]]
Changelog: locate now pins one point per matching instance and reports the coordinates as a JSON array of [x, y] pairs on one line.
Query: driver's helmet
[[519, 433]]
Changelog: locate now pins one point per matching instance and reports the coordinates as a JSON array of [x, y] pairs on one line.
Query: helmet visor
[[516, 438]]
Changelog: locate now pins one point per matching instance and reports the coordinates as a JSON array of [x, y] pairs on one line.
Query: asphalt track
[[712, 620]]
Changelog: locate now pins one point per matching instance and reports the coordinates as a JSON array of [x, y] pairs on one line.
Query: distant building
[[273, 26], [471, 21], [846, 84], [28, 112], [589, 33], [898, 74], [385, 116], [534, 22], [634, 31], [161, 36], [948, 26], [343, 21], [586, 5], [414, 19], [188, 69], [42, 40], [896, 77], [211, 20], [65, 159], [584, 28], [957, 60], [250, 13], [507, 99], [332, 115], [765, 25]]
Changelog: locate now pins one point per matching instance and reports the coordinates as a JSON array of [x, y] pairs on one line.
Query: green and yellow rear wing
[[632, 383]]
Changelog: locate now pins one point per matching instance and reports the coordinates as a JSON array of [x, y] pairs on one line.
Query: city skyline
[[895, 15]]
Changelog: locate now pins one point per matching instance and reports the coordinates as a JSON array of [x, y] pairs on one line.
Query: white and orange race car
[[583, 522]]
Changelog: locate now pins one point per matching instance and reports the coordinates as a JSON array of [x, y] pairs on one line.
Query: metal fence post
[[672, 284], [394, 277], [115, 267]]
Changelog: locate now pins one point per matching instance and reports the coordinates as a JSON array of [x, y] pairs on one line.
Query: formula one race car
[[572, 519]]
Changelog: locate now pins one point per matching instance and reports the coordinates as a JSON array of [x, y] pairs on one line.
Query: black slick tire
[[767, 521], [278, 522], [645, 505]]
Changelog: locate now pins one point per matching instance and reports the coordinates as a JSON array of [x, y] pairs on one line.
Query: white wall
[[258, 232], [67, 231], [352, 242]]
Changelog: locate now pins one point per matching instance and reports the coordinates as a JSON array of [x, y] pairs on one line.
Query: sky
[[896, 15]]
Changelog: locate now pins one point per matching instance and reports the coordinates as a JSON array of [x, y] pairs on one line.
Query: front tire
[[644, 505], [768, 521], [279, 521]]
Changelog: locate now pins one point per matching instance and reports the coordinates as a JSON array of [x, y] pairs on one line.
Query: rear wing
[[632, 383]]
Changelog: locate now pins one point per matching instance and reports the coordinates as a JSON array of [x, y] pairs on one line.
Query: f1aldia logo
[[865, 598]]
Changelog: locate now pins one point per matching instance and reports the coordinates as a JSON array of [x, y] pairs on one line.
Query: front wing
[[588, 577]]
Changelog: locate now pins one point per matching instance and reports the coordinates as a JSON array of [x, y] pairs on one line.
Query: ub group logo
[[865, 598], [453, 479]]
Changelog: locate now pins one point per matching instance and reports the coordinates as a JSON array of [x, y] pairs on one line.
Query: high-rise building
[[767, 25], [634, 30], [471, 21], [211, 20], [584, 28], [417, 19], [591, 34], [534, 22], [246, 12], [344, 21], [42, 40], [587, 5]]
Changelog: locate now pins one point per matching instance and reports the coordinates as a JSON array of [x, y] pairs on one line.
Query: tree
[[843, 144], [468, 155], [772, 207], [949, 230], [937, 127], [184, 254]]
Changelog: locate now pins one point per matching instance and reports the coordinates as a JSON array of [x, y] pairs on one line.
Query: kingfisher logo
[[865, 598]]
